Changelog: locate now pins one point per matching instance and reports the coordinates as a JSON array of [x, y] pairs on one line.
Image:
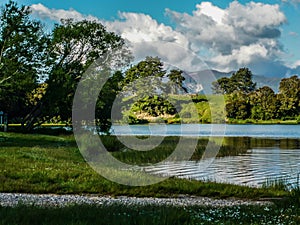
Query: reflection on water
[[250, 155], [257, 161]]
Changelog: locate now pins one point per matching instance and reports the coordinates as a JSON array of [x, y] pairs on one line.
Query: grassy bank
[[53, 164], [35, 163], [263, 122], [116, 214]]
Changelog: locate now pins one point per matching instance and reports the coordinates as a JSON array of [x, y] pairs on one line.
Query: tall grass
[[117, 214]]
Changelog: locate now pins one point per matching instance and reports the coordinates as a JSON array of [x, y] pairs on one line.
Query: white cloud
[[149, 38], [236, 35], [241, 57], [291, 1], [43, 12], [144, 34], [208, 9], [295, 65], [226, 38], [137, 27], [293, 34]]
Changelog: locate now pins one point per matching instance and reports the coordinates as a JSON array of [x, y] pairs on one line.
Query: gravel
[[50, 200]]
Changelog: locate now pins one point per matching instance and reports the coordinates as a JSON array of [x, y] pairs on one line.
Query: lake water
[[200, 130], [272, 152]]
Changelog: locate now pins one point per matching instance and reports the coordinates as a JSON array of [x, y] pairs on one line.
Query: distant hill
[[206, 77]]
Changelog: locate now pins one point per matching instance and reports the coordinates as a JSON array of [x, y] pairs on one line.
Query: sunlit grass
[[34, 163]]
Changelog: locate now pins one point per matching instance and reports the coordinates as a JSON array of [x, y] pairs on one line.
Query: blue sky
[[261, 35]]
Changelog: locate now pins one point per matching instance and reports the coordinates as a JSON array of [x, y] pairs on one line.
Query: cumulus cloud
[[144, 35], [43, 12], [237, 35], [149, 38], [138, 27]]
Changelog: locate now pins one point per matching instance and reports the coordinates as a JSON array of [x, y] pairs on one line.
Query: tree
[[147, 82], [289, 96], [105, 102], [145, 78], [264, 104], [242, 80], [239, 81], [73, 47], [223, 86], [175, 83], [22, 45], [237, 106]]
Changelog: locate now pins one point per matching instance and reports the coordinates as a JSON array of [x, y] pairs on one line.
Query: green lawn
[[34, 163]]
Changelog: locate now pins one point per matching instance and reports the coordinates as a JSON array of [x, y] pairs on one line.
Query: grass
[[35, 163], [32, 163], [263, 122], [148, 214]]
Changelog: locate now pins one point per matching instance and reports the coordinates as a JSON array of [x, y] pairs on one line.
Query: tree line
[[40, 70], [245, 101]]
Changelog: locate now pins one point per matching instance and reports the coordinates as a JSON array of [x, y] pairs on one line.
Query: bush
[[298, 119]]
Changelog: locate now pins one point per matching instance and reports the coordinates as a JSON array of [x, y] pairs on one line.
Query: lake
[[271, 152], [200, 130]]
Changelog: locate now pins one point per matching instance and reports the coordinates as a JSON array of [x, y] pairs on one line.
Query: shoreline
[[55, 200]]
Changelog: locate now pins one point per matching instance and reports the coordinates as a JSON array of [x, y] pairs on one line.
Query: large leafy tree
[[144, 78], [238, 106], [73, 47], [150, 83], [264, 103], [289, 96], [242, 80], [223, 86], [107, 97], [176, 80], [22, 54], [239, 81]]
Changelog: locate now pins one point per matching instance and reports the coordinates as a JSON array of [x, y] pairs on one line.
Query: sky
[[226, 35]]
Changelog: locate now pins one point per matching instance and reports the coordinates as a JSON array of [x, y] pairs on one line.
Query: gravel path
[[8, 199]]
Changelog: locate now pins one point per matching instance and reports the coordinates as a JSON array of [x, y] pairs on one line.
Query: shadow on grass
[[116, 214]]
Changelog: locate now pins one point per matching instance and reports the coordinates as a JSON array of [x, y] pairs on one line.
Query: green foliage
[[175, 83], [21, 58], [265, 104], [223, 86], [74, 46], [242, 80], [237, 106], [239, 81], [145, 82], [154, 106], [189, 109], [59, 58], [105, 102], [298, 119], [289, 96], [245, 103]]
